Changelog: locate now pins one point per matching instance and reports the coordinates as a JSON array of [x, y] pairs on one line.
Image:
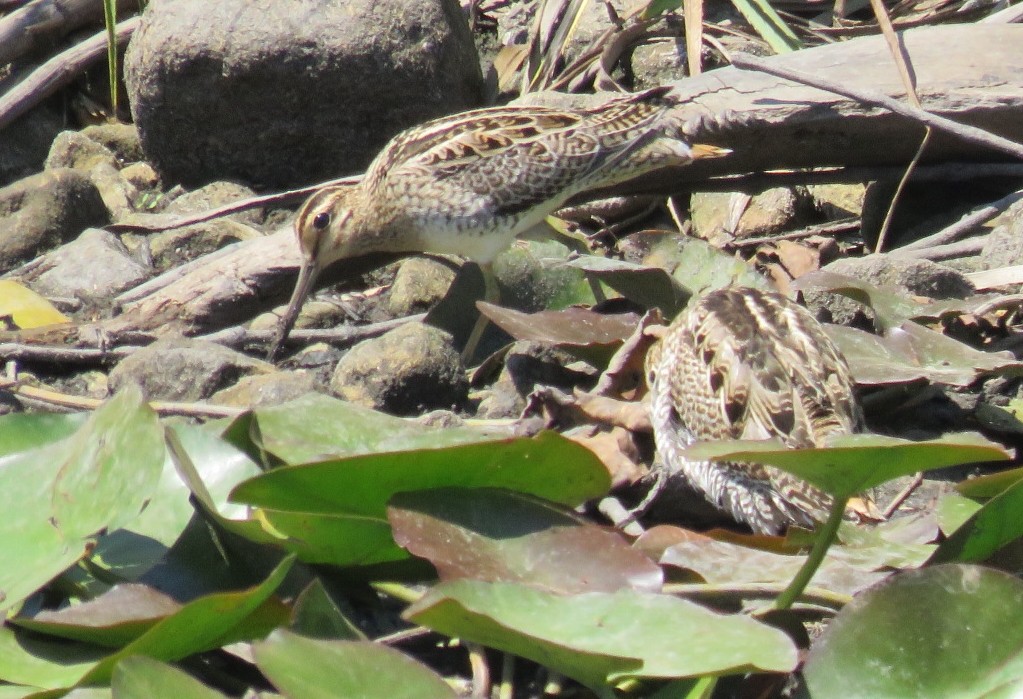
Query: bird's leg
[[491, 294]]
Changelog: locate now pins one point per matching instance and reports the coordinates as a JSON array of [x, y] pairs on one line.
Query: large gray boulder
[[290, 92]]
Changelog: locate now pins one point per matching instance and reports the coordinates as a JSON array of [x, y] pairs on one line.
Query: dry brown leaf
[[615, 449]]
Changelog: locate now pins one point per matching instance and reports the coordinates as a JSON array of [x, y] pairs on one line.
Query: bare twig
[[966, 225], [878, 99], [903, 495], [64, 400], [831, 228], [38, 25], [952, 251], [339, 337], [58, 72], [160, 222]]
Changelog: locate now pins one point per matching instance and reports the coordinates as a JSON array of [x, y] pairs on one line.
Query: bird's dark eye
[[321, 220]]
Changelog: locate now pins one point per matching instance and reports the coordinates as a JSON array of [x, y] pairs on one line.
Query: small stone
[[122, 139], [720, 217], [173, 247], [418, 285], [266, 389], [141, 176], [95, 266], [917, 277], [403, 372], [836, 201], [45, 210], [76, 150], [182, 369]]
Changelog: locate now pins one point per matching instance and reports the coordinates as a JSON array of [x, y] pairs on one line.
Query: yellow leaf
[[27, 308]]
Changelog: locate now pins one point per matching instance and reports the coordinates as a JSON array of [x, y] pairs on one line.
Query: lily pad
[[854, 463], [57, 497], [994, 525], [603, 638], [316, 427], [315, 669], [945, 631], [335, 511], [139, 677]]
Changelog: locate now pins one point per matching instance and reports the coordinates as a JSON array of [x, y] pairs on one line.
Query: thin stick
[[58, 72], [966, 225], [82, 403], [877, 99]]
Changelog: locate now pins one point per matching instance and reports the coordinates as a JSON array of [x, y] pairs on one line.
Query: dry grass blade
[[694, 35], [556, 24], [901, 59], [769, 25]]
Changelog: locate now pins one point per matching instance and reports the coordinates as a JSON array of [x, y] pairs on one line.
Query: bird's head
[[327, 226], [324, 227]]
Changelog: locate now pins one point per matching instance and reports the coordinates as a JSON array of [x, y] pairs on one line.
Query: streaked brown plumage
[[468, 184], [747, 364]]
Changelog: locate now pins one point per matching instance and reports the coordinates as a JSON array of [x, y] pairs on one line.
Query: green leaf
[[364, 484], [601, 638], [317, 427], [994, 525], [991, 484], [139, 677], [316, 615], [335, 511], [854, 463], [135, 549], [204, 624], [769, 25], [648, 285], [946, 631], [56, 497], [304, 668]]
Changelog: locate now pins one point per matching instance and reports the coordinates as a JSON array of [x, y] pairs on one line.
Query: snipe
[[747, 364], [468, 184]]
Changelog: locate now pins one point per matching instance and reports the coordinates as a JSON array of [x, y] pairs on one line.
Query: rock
[[182, 369], [286, 92], [1004, 245], [837, 201], [45, 210], [917, 277], [719, 217], [94, 266], [266, 389], [141, 176], [403, 372], [26, 142], [526, 366], [121, 139], [418, 285], [76, 150]]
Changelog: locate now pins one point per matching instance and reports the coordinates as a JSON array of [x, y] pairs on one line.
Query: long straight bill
[[307, 274]]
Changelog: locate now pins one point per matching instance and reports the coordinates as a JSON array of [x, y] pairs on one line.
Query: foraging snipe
[[468, 184], [747, 364]]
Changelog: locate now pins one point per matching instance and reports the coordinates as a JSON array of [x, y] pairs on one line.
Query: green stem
[[825, 537], [110, 19], [397, 591]]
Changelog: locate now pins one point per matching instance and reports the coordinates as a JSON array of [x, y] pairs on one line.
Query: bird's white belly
[[464, 237]]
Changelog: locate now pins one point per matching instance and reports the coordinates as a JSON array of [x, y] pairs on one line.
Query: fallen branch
[[58, 72]]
